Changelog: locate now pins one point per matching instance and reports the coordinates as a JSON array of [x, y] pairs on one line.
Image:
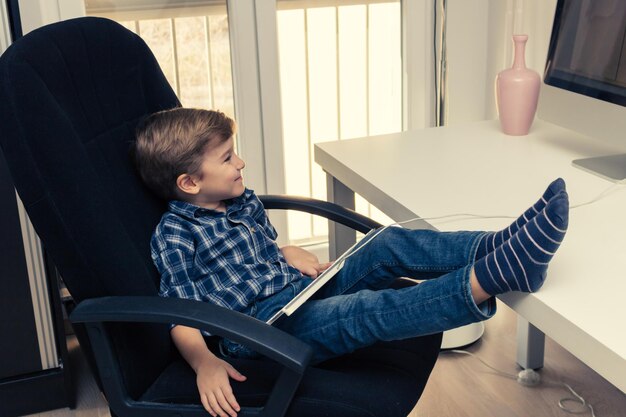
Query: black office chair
[[71, 94]]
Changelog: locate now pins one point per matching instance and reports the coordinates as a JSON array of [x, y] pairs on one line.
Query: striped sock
[[520, 263], [492, 240]]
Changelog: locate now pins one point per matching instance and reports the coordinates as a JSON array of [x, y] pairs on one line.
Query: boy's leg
[[521, 263], [341, 324], [398, 252], [492, 240], [423, 254]]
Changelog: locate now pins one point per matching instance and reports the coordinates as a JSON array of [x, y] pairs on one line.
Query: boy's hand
[[214, 387], [304, 261], [212, 373]]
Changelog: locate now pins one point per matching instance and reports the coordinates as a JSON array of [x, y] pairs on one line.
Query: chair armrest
[[259, 336], [325, 209], [285, 349]]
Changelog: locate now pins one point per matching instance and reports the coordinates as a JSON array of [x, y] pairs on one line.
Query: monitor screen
[[587, 58], [587, 52]]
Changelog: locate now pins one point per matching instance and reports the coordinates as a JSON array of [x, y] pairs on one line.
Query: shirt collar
[[192, 211]]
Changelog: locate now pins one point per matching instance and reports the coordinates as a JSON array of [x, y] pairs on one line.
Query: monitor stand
[[610, 167]]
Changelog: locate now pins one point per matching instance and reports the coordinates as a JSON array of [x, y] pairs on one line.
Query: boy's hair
[[173, 142]]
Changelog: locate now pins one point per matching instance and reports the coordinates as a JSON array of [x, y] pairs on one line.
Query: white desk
[[477, 169]]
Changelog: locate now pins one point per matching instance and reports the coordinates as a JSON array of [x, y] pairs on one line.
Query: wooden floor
[[462, 386], [459, 386]]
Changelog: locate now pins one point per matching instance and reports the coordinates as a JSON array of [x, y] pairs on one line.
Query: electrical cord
[[599, 197], [529, 377], [602, 195], [464, 216]]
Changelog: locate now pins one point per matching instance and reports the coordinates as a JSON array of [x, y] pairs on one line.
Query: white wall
[[538, 16], [467, 63], [5, 33], [36, 13], [480, 46]]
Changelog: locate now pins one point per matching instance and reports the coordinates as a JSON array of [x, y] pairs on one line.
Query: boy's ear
[[187, 184]]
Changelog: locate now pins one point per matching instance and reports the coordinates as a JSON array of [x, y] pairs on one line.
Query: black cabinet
[[33, 353]]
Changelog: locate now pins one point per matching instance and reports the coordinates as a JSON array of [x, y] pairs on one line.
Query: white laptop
[[323, 278]]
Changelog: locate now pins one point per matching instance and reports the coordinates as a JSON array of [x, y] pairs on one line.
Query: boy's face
[[219, 177]]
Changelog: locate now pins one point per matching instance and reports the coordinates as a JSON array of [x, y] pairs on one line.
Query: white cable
[[468, 215], [579, 400], [464, 352], [604, 194], [576, 399], [599, 197]]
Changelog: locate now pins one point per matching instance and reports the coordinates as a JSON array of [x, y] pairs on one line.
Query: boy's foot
[[520, 263], [492, 240]]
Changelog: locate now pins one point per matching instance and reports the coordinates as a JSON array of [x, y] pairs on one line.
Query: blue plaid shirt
[[230, 259]]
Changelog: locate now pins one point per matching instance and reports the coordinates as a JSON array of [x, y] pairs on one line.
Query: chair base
[[462, 336]]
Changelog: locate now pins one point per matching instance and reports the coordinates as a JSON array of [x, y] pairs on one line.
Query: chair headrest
[[71, 94]]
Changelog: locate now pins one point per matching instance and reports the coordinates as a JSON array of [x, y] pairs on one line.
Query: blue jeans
[[357, 308]]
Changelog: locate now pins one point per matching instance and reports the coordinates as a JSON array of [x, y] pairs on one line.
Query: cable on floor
[[529, 377]]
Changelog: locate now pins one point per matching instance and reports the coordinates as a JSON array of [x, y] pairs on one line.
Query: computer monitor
[[585, 78]]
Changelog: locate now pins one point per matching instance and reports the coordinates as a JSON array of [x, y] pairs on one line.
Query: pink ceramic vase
[[517, 93]]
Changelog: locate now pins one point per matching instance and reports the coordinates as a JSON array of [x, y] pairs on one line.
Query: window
[[340, 65], [341, 78], [190, 41]]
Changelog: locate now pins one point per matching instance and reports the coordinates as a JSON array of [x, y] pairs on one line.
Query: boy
[[216, 244]]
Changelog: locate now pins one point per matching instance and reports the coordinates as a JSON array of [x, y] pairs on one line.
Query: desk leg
[[340, 237], [530, 345]]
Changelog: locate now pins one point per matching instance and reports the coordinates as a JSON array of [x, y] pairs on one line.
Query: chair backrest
[[71, 94]]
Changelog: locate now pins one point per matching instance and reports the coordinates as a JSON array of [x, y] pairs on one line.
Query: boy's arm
[[212, 373], [172, 252]]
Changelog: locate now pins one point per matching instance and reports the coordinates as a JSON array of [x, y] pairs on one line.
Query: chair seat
[[332, 388]]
